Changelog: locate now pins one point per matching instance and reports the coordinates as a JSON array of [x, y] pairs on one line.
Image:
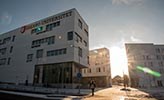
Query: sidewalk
[[43, 90]]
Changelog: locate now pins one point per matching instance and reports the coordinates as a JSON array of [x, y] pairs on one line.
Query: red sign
[[22, 30]]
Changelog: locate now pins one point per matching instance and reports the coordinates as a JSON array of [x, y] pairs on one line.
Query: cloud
[[127, 2], [5, 18]]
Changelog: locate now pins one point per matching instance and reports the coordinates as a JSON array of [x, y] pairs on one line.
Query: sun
[[118, 61]]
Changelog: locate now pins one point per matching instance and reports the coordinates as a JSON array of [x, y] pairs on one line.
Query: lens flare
[[149, 71]]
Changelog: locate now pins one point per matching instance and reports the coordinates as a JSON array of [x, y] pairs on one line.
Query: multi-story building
[[50, 51], [99, 68], [148, 57]]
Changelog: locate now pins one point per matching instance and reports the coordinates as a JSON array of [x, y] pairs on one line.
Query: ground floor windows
[[53, 73]]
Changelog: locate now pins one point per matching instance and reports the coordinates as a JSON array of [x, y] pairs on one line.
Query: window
[[157, 50], [89, 70], [39, 53], [88, 60], [80, 24], [158, 57], [5, 40], [148, 57], [85, 43], [8, 62], [56, 52], [3, 61], [51, 40], [11, 49], [160, 63], [37, 30], [86, 32], [49, 27], [78, 37], [80, 52], [98, 69], [38, 42], [159, 82], [70, 35], [104, 69], [150, 63], [13, 39], [29, 57], [3, 51]]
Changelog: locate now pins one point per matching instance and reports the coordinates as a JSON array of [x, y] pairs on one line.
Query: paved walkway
[[115, 93]]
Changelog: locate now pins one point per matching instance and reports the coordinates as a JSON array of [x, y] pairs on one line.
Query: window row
[[49, 27], [90, 70], [39, 53], [3, 61], [57, 52], [49, 40]]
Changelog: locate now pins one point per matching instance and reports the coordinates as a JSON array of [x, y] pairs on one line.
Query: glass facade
[[54, 73]]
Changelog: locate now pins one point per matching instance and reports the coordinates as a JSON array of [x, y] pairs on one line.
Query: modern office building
[[143, 60], [99, 68], [50, 51]]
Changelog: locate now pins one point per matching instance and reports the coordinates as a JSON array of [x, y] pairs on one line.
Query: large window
[[55, 73], [57, 52], [39, 53], [38, 42], [70, 35]]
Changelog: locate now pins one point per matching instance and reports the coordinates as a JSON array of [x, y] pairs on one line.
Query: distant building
[[99, 68], [148, 56], [50, 51]]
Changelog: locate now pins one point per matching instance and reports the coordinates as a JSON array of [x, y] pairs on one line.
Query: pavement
[[118, 93], [113, 93]]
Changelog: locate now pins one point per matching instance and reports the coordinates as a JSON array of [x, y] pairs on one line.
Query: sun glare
[[118, 61]]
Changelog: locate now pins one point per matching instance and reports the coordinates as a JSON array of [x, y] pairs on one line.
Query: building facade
[[50, 51], [145, 56], [99, 68]]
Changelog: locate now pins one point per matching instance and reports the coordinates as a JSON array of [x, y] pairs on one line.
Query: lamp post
[[78, 74]]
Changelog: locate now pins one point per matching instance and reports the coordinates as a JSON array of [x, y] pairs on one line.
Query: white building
[[145, 55], [49, 51], [99, 68]]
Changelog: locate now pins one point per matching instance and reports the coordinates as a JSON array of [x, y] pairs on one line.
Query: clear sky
[[111, 22]]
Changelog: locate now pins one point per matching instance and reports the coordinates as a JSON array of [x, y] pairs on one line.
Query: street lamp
[[78, 74]]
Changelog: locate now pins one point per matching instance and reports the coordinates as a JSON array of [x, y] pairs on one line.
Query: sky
[[111, 22]]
